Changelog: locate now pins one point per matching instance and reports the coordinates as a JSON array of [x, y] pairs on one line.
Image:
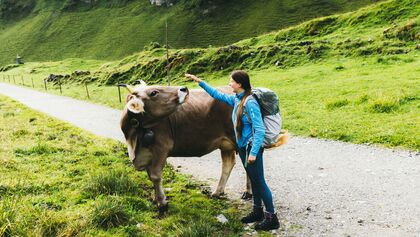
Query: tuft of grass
[[49, 223], [109, 213], [336, 104], [38, 149], [111, 182], [197, 229], [384, 105]]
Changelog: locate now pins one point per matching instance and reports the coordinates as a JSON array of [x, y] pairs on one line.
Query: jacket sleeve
[[254, 111], [228, 99]]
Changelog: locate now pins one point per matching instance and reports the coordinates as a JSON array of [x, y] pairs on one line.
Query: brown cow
[[183, 124]]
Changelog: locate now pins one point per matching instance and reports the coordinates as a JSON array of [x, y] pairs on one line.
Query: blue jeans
[[255, 171]]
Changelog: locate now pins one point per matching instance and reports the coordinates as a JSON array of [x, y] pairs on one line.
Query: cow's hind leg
[[228, 161], [247, 195]]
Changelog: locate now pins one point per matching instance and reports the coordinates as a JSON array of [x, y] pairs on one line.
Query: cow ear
[[129, 97]]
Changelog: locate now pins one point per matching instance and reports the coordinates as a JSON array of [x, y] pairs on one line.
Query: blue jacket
[[253, 131]]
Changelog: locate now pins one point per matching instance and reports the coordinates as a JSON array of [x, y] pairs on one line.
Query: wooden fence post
[[119, 90], [59, 83], [87, 91]]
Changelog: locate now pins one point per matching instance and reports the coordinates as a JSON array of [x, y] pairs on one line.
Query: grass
[[367, 101], [351, 77], [56, 180], [56, 30]]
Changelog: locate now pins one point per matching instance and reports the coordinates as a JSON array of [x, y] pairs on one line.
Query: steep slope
[[41, 30], [385, 29]]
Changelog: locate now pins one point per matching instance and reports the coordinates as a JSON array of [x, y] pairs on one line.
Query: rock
[[221, 218], [418, 46], [360, 221]]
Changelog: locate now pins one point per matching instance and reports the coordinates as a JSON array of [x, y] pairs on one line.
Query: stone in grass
[[222, 219]]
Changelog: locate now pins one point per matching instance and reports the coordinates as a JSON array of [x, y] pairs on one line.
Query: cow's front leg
[[155, 175], [228, 161], [247, 195]]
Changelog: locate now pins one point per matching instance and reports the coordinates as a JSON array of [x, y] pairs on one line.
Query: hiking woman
[[249, 138]]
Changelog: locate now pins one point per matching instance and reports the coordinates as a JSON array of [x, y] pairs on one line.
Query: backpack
[[270, 110]]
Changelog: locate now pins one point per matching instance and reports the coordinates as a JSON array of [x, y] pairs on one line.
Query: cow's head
[[145, 107], [152, 103]]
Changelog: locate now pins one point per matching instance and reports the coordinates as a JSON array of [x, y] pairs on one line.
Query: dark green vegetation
[[56, 180], [45, 30]]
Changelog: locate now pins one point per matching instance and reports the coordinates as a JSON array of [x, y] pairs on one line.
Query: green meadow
[[57, 180], [352, 77]]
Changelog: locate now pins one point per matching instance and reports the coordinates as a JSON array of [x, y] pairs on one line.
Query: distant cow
[[163, 121]]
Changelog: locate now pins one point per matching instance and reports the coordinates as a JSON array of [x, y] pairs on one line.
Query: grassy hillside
[[56, 180], [352, 77], [383, 30], [41, 30]]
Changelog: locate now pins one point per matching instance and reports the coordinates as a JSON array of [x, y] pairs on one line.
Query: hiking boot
[[270, 222], [257, 214]]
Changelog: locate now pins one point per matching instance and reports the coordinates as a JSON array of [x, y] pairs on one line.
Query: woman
[[249, 138]]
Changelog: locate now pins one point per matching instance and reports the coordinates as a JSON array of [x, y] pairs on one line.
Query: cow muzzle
[[183, 93], [135, 105]]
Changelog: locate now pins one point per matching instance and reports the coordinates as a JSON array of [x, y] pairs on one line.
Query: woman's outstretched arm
[[226, 98]]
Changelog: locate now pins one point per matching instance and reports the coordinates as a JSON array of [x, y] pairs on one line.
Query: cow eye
[[154, 93]]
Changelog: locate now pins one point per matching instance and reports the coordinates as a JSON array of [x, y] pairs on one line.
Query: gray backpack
[[270, 110]]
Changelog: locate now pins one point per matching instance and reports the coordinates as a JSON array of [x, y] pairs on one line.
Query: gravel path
[[320, 187]]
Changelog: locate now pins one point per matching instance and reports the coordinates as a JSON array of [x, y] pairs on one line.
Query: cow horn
[[129, 88], [142, 83]]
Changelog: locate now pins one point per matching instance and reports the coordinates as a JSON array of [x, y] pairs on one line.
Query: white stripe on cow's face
[[135, 105], [181, 96]]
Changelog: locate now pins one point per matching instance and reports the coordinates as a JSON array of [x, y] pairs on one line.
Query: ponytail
[[239, 124]]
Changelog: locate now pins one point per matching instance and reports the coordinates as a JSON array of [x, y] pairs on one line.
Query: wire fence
[[49, 85]]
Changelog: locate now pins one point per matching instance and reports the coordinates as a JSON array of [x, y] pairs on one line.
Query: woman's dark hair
[[242, 78]]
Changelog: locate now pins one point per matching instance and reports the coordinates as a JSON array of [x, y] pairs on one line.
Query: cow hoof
[[246, 196], [163, 209], [217, 195]]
